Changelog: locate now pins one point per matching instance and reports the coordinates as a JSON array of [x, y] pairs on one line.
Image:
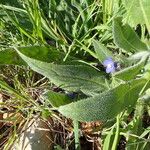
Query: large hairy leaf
[[130, 73], [101, 51], [105, 105], [139, 56], [138, 12], [10, 56], [69, 77], [56, 99], [126, 38]]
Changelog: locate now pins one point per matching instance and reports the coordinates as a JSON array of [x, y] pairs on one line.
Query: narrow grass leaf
[[108, 140]]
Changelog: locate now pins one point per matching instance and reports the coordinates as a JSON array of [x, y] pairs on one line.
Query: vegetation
[[82, 66]]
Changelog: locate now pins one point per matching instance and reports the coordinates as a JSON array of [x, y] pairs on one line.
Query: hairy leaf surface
[[106, 105], [126, 38], [47, 54], [130, 73], [69, 77], [101, 51], [138, 12]]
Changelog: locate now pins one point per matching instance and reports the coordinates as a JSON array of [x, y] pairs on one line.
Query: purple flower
[[110, 65]]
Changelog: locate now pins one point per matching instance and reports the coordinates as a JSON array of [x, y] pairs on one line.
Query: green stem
[[104, 11], [76, 134], [115, 142], [139, 110]]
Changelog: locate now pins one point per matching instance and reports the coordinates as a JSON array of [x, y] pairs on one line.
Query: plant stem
[[114, 146], [104, 11], [76, 134]]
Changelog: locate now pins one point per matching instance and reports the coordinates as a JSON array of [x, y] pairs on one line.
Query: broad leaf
[[56, 99], [105, 105], [126, 38], [138, 12], [130, 73], [101, 51], [10, 56], [70, 77], [138, 56]]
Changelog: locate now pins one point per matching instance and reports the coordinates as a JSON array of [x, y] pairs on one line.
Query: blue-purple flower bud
[[110, 65]]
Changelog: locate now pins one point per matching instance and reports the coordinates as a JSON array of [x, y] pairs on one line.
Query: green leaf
[[56, 99], [126, 38], [130, 73], [106, 105], [10, 56], [138, 12], [108, 142], [138, 56], [70, 77], [101, 51]]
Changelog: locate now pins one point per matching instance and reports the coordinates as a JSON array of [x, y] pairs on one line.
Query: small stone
[[37, 136]]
